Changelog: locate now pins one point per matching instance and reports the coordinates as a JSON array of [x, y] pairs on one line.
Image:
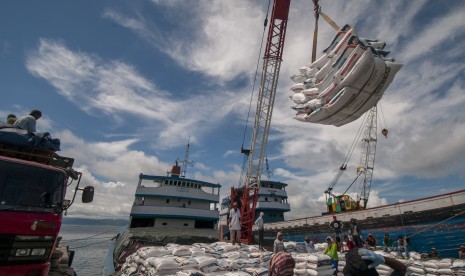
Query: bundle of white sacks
[[222, 258], [345, 82]]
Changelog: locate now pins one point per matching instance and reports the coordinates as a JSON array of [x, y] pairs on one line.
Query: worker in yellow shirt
[[331, 250]]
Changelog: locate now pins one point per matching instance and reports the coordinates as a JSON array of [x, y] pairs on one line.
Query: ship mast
[[186, 161], [269, 172]]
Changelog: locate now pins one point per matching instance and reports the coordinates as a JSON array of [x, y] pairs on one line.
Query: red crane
[[247, 196]]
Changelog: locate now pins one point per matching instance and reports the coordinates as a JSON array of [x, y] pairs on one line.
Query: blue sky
[[124, 84]]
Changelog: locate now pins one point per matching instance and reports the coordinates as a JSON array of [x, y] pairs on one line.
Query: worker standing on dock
[[261, 229], [235, 224], [403, 246], [337, 226], [331, 250], [355, 232], [387, 243]]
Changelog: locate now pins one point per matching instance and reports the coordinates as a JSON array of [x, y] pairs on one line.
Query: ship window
[[179, 199], [185, 224], [184, 184], [167, 200], [266, 199], [171, 182], [189, 202], [276, 199], [164, 223]]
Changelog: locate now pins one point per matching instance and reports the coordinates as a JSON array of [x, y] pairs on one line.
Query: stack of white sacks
[[417, 266], [222, 258], [345, 82], [218, 258], [312, 264], [437, 267]]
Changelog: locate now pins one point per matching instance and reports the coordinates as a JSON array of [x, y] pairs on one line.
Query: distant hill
[[86, 221]]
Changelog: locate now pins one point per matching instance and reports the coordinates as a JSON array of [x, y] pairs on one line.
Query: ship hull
[[429, 222]]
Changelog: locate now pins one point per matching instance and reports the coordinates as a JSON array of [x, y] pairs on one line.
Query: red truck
[[33, 185]]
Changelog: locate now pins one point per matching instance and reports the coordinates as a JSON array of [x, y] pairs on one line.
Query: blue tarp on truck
[[12, 135]]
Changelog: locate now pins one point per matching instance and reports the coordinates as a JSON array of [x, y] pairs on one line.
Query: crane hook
[[385, 132]]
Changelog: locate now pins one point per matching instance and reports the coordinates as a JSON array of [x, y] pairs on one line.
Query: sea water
[[90, 243]]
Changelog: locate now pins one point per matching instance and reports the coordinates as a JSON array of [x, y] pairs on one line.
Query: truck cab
[[32, 201]]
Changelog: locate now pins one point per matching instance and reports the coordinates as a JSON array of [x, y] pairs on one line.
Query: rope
[[91, 244], [436, 224], [352, 183], [86, 238], [76, 240], [317, 13], [354, 142], [382, 114], [329, 21], [316, 9], [347, 158]]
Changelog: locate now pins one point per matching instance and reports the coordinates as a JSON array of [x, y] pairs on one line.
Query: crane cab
[[341, 203]]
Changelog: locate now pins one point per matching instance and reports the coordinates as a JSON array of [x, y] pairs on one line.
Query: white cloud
[[217, 38], [435, 35], [116, 88]]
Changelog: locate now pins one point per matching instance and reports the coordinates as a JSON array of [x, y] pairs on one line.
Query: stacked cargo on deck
[[345, 82], [221, 258]]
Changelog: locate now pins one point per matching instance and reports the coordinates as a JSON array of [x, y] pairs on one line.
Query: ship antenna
[[269, 172], [186, 161]]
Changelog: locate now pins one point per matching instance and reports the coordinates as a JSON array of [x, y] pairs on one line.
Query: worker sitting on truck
[[28, 122], [11, 119]]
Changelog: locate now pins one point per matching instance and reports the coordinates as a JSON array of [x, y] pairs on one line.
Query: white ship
[[167, 209]]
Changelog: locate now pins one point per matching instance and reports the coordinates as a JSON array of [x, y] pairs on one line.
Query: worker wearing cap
[[235, 224], [336, 226]]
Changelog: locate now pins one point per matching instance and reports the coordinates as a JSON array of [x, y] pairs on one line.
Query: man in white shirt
[[309, 246], [28, 122], [235, 224]]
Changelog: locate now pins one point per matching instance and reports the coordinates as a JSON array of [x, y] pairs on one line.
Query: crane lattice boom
[[367, 157], [269, 81]]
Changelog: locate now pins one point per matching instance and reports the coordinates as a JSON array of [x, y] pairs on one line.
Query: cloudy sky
[[125, 84]]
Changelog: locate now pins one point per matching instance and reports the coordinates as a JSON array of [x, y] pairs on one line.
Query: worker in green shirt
[[331, 250]]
